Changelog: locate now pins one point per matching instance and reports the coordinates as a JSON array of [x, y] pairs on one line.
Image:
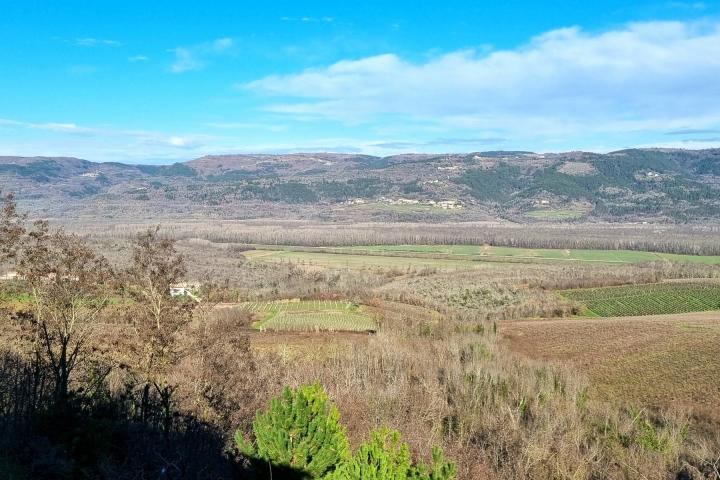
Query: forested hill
[[640, 184]]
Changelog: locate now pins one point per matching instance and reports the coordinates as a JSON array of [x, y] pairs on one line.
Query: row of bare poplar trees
[[677, 239]]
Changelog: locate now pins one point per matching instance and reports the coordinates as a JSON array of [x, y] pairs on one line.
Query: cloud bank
[[643, 76]]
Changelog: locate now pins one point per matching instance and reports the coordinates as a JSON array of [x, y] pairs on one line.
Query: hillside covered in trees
[[647, 184]]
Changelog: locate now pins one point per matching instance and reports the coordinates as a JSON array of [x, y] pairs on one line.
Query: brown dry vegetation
[[445, 382], [698, 239], [547, 402]]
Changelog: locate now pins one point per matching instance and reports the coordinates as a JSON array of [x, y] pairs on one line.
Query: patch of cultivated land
[[453, 256], [310, 315], [660, 298], [401, 207], [487, 251], [556, 214], [359, 260], [664, 360]]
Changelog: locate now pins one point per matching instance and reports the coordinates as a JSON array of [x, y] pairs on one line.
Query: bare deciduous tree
[[157, 316], [12, 228], [68, 282]]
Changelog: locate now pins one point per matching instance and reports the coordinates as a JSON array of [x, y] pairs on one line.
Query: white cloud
[[246, 126], [643, 76], [194, 57], [441, 142], [307, 19], [222, 44], [177, 141], [50, 127], [106, 144], [94, 42], [61, 127], [687, 5], [138, 137], [10, 123], [185, 61], [138, 58]]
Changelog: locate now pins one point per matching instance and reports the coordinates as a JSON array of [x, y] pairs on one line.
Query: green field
[[14, 300], [12, 296], [489, 252], [310, 315], [455, 256], [654, 299]]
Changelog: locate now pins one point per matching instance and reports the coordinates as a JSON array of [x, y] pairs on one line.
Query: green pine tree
[[301, 430], [385, 457]]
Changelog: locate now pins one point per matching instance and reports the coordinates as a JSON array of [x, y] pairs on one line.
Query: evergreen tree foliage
[[301, 430], [385, 457]]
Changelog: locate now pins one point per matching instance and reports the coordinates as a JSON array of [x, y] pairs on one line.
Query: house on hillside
[[9, 276], [185, 290], [449, 204]]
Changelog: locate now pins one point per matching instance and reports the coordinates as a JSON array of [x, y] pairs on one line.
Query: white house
[[9, 276], [185, 290]]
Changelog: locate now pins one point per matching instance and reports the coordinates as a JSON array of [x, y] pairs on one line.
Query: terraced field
[[311, 315], [655, 299]]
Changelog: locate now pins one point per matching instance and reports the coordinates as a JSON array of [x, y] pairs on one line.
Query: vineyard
[[311, 315], [654, 299]]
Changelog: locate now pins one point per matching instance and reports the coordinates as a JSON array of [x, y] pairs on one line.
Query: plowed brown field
[[657, 360]]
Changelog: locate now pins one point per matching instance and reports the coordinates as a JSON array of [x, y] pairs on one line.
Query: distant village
[[443, 204]]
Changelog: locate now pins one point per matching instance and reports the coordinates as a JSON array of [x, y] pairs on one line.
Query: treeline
[[689, 240]]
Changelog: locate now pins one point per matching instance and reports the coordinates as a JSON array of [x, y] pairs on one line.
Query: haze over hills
[[639, 184]]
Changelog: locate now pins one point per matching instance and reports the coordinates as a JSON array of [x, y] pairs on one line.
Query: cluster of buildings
[[444, 204]]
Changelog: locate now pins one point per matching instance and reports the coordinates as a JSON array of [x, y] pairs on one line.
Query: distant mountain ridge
[[671, 184]]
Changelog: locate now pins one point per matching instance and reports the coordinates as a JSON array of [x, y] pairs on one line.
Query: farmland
[[443, 317], [457, 256], [658, 360], [14, 301], [633, 300], [359, 260], [487, 252], [310, 315], [400, 208], [558, 214]]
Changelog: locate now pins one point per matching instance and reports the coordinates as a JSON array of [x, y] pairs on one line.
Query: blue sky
[[166, 81]]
